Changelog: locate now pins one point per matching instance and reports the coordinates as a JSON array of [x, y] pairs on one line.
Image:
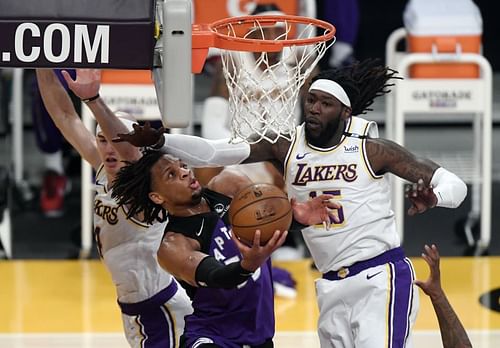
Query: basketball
[[262, 207]]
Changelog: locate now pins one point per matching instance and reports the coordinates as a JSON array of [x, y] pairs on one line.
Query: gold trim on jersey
[[132, 219], [142, 332], [291, 149], [364, 156], [99, 169], [172, 323], [97, 174], [388, 304]]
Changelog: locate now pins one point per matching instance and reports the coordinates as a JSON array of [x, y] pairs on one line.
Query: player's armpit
[[267, 151], [387, 156], [180, 256]]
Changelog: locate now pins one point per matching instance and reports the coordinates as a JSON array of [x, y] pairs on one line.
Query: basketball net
[[264, 91]]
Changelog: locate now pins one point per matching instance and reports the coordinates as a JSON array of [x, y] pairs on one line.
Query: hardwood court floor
[[72, 304]]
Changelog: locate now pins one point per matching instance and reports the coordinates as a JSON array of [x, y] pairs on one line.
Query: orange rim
[[247, 44], [205, 36]]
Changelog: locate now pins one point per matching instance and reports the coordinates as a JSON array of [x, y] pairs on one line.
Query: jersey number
[[335, 194]]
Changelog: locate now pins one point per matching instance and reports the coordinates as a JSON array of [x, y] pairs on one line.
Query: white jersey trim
[[291, 149]]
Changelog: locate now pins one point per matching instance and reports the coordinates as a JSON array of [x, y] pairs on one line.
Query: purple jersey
[[229, 317]]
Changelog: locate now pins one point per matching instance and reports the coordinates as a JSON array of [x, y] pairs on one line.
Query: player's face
[[109, 157], [323, 115], [173, 184]]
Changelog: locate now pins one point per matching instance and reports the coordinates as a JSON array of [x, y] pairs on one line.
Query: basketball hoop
[[264, 89]]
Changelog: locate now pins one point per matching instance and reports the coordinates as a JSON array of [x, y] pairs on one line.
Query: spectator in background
[[55, 183], [344, 15], [453, 333]]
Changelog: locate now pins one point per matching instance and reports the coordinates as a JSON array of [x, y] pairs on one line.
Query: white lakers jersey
[[367, 226], [128, 247]]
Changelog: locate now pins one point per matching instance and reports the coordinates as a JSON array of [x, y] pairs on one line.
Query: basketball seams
[[258, 200], [268, 222], [251, 205]]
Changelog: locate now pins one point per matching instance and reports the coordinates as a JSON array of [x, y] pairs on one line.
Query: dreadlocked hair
[[132, 185], [362, 81]]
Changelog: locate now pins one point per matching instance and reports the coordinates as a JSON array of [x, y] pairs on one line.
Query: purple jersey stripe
[[157, 328], [402, 299]]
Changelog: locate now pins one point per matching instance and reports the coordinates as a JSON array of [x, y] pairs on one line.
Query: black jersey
[[229, 317]]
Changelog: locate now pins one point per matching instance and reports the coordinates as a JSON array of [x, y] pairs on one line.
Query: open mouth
[[111, 160], [194, 184]]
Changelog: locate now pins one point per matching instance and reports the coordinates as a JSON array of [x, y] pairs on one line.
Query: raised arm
[[86, 87], [63, 113], [181, 256], [453, 333], [200, 152], [434, 185]]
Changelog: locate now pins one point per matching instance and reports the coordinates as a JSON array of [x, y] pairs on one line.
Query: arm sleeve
[[200, 152], [210, 273], [449, 189]]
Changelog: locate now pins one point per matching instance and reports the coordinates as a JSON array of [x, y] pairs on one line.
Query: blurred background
[[37, 233]]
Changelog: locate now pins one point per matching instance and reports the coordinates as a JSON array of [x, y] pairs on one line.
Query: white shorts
[[374, 308], [158, 321]]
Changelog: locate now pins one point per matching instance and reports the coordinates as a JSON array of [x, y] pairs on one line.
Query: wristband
[[88, 100]]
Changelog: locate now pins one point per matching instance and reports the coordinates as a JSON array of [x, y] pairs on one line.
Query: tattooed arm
[[266, 151], [432, 184], [387, 156], [453, 333]]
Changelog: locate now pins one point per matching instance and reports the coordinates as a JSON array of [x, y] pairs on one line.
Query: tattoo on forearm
[[387, 156], [453, 333]]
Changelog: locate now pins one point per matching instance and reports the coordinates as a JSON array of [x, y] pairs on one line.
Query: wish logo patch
[[351, 149]]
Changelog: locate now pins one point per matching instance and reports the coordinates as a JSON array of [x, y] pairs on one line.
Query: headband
[[128, 123], [333, 88]]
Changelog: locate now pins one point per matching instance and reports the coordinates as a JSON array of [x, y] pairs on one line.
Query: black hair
[[132, 185], [260, 8], [362, 81]]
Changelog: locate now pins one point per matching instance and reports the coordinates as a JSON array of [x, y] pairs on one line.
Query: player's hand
[[421, 196], [87, 82], [255, 255], [432, 286], [143, 136], [319, 210]]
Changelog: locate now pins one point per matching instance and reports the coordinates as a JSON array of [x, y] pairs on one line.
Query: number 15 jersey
[[367, 226]]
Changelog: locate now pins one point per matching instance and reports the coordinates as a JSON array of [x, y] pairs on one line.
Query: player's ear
[[346, 112], [156, 198]]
